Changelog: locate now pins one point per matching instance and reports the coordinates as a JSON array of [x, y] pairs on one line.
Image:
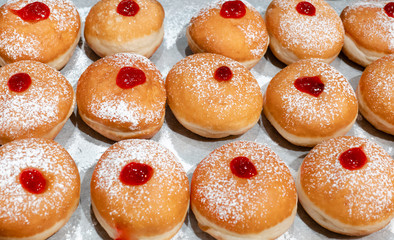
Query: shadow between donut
[[317, 228], [369, 128], [182, 44], [276, 137], [349, 62], [270, 57]]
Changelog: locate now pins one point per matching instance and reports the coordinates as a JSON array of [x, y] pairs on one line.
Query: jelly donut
[[375, 94], [39, 190], [122, 96], [242, 190], [304, 30], [139, 190], [309, 101], [116, 26], [42, 30], [213, 96], [346, 185], [35, 101], [369, 30], [234, 29]]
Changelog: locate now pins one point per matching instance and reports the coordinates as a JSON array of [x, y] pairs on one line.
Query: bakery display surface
[[86, 146]]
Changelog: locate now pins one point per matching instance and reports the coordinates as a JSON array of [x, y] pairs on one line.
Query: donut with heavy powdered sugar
[[375, 94], [39, 188], [213, 96], [116, 26], [369, 30], [42, 30], [242, 190], [122, 96], [35, 101], [139, 190], [346, 184], [234, 29], [309, 101], [304, 30]]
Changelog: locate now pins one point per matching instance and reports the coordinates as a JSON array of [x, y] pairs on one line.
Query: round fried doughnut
[[210, 30], [242, 190], [139, 190], [375, 94], [116, 26], [369, 30], [309, 101], [122, 96], [42, 30], [39, 188], [304, 30], [35, 101], [346, 184], [213, 96]]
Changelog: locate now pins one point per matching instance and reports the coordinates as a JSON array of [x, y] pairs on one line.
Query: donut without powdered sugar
[[234, 29], [35, 101], [369, 30], [122, 96], [139, 190], [309, 101], [42, 30], [39, 189], [213, 96], [242, 190], [116, 26], [346, 184], [304, 30], [375, 94]]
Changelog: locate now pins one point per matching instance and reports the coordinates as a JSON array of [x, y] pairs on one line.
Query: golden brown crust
[[238, 205], [367, 24], [301, 36], [108, 32], [146, 210], [41, 110], [375, 91], [114, 110], [209, 32], [357, 199], [303, 115], [44, 41], [209, 107], [25, 214]]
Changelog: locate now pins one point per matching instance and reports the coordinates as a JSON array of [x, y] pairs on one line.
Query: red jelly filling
[[233, 9], [311, 85], [129, 77], [389, 9], [136, 173], [242, 167], [306, 8], [32, 180], [353, 159], [35, 11], [128, 8], [223, 74], [19, 82]]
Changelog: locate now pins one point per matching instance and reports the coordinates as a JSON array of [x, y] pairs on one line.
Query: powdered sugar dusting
[[168, 183], [238, 202], [25, 43], [308, 34], [368, 192], [19, 206], [381, 26], [42, 104]]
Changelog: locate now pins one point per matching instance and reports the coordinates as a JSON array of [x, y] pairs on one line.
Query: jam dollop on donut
[[311, 85], [389, 9], [223, 73], [353, 159], [306, 8], [19, 82], [128, 8], [129, 77], [35, 11], [233, 9], [136, 173], [33, 180], [242, 167]]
